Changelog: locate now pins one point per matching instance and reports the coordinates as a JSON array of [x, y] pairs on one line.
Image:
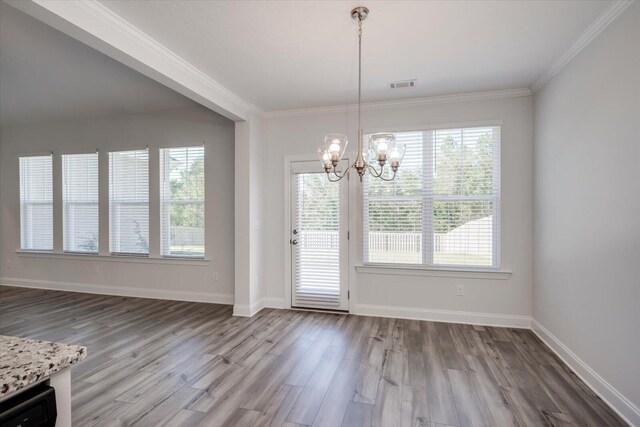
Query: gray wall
[[175, 279], [587, 205]]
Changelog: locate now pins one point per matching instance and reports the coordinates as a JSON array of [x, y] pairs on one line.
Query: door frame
[[288, 282]]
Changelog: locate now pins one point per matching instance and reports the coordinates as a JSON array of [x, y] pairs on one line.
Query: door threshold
[[320, 310]]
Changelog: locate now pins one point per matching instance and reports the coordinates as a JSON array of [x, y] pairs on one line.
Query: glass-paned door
[[318, 239]]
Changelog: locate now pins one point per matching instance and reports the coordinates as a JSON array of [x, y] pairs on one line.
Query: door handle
[[294, 242], [295, 231]]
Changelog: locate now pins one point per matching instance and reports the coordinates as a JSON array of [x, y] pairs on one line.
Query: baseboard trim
[[241, 310], [612, 397], [121, 291], [245, 310], [449, 316], [274, 303]]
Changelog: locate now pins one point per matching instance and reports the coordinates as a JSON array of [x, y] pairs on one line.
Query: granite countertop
[[25, 361]]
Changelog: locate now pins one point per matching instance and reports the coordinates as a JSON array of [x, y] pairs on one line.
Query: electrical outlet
[[460, 291], [215, 276]]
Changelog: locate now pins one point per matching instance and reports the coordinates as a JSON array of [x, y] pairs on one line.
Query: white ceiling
[[46, 75], [295, 54]]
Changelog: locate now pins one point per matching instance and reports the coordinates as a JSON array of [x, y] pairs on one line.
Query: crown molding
[[400, 103], [97, 26], [607, 17]]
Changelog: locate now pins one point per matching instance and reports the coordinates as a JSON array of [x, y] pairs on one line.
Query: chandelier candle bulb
[[334, 146], [325, 159], [334, 149], [383, 147], [394, 159], [382, 153], [397, 153]]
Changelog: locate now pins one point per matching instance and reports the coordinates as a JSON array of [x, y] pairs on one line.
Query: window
[[36, 203], [182, 201], [443, 208], [80, 202], [129, 202]]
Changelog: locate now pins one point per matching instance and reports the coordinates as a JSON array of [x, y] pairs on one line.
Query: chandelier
[[383, 147]]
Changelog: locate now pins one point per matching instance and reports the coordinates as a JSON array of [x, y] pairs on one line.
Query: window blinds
[[129, 202], [182, 201], [36, 203], [443, 207], [80, 202], [317, 249]]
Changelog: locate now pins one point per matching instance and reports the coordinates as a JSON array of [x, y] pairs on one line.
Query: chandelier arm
[[335, 173], [388, 179], [375, 173], [333, 180]]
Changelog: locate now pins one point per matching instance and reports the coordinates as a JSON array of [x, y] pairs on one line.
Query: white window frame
[[166, 203], [27, 233], [113, 245], [65, 219], [104, 214], [427, 226]]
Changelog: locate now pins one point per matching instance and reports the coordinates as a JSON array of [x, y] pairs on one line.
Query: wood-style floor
[[154, 362]]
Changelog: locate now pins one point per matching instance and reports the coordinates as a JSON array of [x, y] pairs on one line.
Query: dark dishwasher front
[[34, 407]]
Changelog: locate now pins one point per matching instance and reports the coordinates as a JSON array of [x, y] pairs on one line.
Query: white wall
[[189, 280], [249, 292], [257, 171], [416, 295], [587, 209]]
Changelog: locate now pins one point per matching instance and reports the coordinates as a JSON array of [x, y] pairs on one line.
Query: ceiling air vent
[[402, 84]]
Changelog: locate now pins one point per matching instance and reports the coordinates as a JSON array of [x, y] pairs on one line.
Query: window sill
[[408, 270], [202, 262]]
